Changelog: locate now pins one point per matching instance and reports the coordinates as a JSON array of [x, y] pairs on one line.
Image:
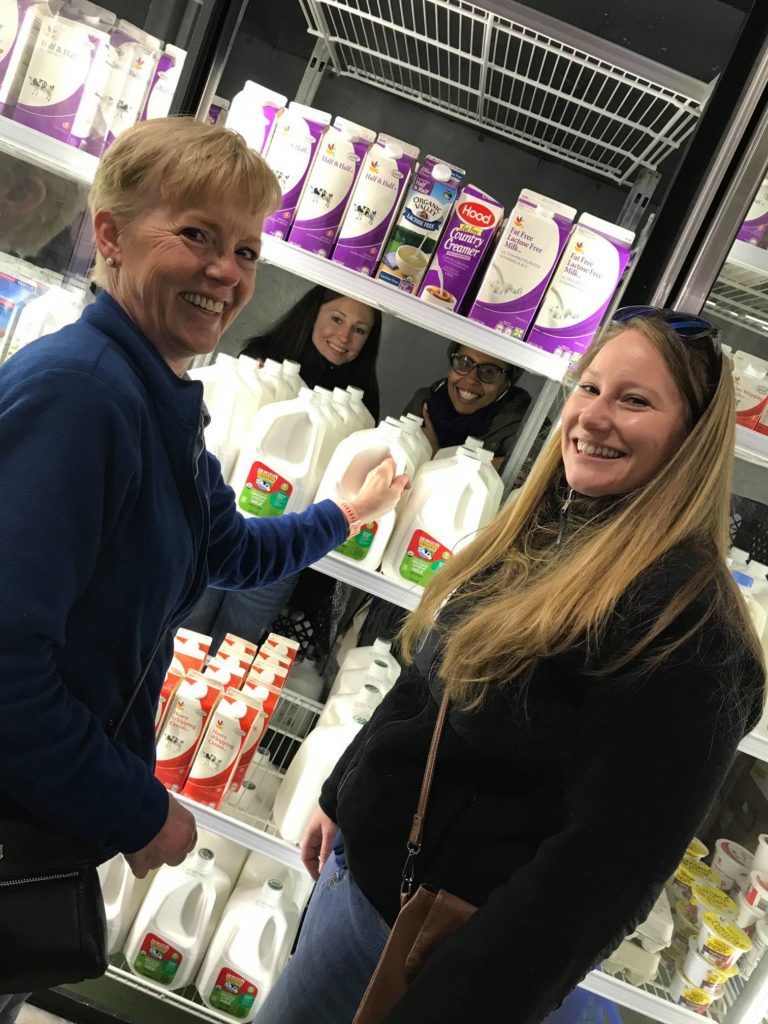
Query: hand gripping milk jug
[[450, 500], [123, 893], [176, 920], [248, 950], [358, 658], [283, 458], [350, 464], [297, 798]]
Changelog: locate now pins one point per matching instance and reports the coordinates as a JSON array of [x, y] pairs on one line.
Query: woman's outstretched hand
[[317, 843], [381, 491]]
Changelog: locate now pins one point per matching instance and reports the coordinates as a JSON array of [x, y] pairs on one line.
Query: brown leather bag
[[426, 917]]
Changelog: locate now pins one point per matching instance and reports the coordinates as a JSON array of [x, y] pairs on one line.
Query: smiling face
[[182, 275], [468, 393], [625, 419], [341, 329]]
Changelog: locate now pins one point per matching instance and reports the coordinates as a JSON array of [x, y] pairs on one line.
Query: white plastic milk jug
[[123, 893], [283, 458], [176, 920], [350, 464], [335, 419], [364, 417], [472, 444], [413, 425], [342, 401], [298, 795], [273, 376], [450, 500], [360, 659], [292, 375], [248, 950]]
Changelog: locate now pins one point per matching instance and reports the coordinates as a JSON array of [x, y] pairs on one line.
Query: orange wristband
[[354, 522]]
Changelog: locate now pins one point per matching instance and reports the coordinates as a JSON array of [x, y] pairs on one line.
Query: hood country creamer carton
[[329, 186], [295, 141], [414, 238], [374, 203], [164, 82], [582, 287], [755, 224], [253, 114], [459, 256], [522, 264]]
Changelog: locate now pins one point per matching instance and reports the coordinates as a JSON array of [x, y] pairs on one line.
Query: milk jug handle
[[136, 689]]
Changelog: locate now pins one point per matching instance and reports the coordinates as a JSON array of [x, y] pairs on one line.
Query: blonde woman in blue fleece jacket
[[114, 516]]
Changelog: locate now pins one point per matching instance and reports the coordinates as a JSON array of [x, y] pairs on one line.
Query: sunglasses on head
[[486, 373]]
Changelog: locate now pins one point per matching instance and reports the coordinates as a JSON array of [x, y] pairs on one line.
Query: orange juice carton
[[229, 725], [183, 728], [190, 650], [167, 690]]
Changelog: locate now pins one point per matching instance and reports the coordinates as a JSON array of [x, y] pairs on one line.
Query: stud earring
[[110, 261]]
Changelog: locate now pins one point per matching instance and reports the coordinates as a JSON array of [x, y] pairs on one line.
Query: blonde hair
[[525, 604], [176, 161]]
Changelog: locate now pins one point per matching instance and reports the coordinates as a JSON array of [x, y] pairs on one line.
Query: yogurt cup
[[760, 860], [759, 947], [748, 915], [732, 862], [703, 974], [697, 849], [706, 897], [721, 942], [684, 920], [756, 892], [689, 871], [684, 993]]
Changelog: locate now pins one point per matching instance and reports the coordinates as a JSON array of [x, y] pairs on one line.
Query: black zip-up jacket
[[559, 815]]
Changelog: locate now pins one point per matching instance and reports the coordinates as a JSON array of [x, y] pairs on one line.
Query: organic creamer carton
[[414, 238]]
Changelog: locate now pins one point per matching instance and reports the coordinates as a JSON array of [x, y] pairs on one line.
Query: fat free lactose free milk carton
[[297, 136], [329, 186], [414, 238], [582, 286], [459, 256], [374, 203], [522, 264]]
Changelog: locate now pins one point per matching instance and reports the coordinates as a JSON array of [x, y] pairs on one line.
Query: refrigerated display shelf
[[375, 583], [450, 326], [33, 147], [519, 74], [752, 446], [244, 834], [186, 999], [740, 293]]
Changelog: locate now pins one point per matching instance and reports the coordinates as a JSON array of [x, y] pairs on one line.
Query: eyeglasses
[[693, 330], [487, 373]]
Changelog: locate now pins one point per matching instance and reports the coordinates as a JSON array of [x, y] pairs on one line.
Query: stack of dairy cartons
[[750, 380], [80, 75], [213, 712]]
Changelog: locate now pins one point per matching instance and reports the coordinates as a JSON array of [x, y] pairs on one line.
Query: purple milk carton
[[582, 287], [164, 82], [522, 264], [218, 111], [20, 22], [459, 256], [69, 65], [329, 186], [374, 203], [295, 141], [755, 224], [253, 114]]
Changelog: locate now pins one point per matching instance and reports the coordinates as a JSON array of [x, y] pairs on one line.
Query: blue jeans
[[246, 613], [10, 1007], [340, 943]]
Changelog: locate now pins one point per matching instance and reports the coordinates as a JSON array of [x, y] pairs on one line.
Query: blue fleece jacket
[[113, 519]]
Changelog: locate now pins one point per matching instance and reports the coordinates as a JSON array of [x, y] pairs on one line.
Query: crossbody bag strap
[[138, 686], [417, 826]]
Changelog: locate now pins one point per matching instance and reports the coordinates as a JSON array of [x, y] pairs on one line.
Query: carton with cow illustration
[[374, 204], [296, 139], [329, 186], [414, 238], [462, 251], [20, 22]]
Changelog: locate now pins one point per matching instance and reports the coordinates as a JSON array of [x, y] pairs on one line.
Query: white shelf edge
[[646, 1003], [240, 832], [751, 446], [748, 257], [43, 151], [388, 299], [755, 745], [365, 579]]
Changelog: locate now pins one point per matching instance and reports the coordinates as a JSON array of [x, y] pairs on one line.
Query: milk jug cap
[[204, 861], [382, 646], [355, 391], [378, 669], [414, 418], [272, 365], [291, 368], [275, 883], [473, 443], [359, 720]]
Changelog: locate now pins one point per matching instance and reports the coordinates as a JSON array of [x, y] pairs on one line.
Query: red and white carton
[[183, 728], [190, 650], [251, 745], [261, 685], [283, 645], [235, 646], [280, 664], [167, 690], [230, 724], [227, 670]]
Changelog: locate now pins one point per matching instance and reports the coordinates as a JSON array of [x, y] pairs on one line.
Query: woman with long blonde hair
[[601, 670]]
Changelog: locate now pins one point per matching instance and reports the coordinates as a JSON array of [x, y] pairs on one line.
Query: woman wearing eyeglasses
[[478, 398], [600, 669]]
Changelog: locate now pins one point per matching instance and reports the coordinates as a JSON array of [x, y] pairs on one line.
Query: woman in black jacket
[[601, 669]]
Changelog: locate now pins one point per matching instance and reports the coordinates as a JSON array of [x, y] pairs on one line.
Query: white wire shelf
[[740, 293], [52, 155], [366, 579], [752, 446], [518, 73], [381, 296]]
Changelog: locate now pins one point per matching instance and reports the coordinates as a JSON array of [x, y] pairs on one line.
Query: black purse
[[52, 924]]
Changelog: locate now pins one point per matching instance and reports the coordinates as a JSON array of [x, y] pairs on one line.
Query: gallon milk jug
[[298, 795], [472, 444], [176, 920], [364, 418], [342, 403], [292, 376], [283, 458], [123, 893], [334, 417], [231, 405], [412, 425], [248, 950], [350, 464], [450, 500], [360, 659], [305, 680], [273, 376]]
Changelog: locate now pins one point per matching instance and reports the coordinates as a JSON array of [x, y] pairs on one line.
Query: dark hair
[[290, 337]]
